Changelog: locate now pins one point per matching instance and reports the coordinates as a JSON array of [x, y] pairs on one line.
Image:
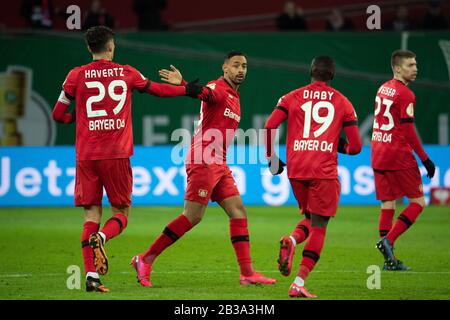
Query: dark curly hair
[[322, 68], [97, 38]]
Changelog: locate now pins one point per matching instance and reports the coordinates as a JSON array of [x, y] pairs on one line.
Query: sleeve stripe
[[350, 123], [146, 87], [284, 109], [406, 120], [68, 96]]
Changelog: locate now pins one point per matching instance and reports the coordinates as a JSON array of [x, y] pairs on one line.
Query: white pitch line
[[217, 271]]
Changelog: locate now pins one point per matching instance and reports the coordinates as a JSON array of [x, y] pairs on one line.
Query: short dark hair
[[398, 56], [234, 53], [97, 37], [322, 68]]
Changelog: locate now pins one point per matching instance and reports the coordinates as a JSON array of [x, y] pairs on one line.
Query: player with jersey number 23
[[395, 169]]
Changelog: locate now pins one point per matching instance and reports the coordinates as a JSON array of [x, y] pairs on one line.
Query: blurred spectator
[[291, 18], [401, 21], [97, 16], [434, 18], [39, 13], [149, 15], [337, 22]]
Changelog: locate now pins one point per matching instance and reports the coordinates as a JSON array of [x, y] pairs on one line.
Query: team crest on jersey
[[410, 110], [202, 193]]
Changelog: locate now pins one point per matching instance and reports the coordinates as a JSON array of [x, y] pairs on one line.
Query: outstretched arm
[[165, 90], [193, 88]]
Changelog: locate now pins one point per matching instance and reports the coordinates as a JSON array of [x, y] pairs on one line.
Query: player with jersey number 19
[[395, 168], [316, 113], [102, 90]]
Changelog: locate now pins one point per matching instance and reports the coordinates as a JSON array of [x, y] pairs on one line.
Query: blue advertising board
[[45, 176]]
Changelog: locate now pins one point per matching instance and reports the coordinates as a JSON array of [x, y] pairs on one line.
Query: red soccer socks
[[240, 240], [404, 221], [385, 222], [311, 252], [89, 227], [114, 226], [173, 231], [301, 231]]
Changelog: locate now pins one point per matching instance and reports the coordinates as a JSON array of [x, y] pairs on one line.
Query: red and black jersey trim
[[68, 96], [145, 87], [284, 109], [350, 123], [406, 120]]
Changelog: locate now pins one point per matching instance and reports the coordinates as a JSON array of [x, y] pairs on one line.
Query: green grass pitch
[[37, 245]]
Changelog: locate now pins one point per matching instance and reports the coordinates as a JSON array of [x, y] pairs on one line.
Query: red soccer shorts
[[113, 174], [209, 181], [391, 185], [318, 196]]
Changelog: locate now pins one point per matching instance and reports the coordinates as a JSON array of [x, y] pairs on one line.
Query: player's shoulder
[[217, 84], [406, 92], [338, 96], [296, 93], [286, 98], [75, 71]]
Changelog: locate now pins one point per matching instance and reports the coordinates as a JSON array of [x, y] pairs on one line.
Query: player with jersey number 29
[[395, 168], [102, 90], [315, 113]]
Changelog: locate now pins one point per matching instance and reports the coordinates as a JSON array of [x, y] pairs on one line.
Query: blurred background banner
[[45, 176], [278, 63]]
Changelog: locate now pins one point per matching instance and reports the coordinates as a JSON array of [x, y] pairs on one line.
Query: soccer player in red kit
[[395, 169], [315, 113], [208, 175], [104, 142]]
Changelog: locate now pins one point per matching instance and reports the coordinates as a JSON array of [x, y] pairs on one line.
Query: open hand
[[172, 76]]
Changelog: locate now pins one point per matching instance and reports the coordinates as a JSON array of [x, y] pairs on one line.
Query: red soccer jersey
[[394, 105], [102, 90], [220, 114], [316, 115]]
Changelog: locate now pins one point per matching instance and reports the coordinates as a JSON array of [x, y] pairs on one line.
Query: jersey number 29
[[101, 94]]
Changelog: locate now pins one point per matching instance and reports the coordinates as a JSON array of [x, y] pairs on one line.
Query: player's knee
[[239, 212], [194, 218], [92, 213], [120, 210]]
